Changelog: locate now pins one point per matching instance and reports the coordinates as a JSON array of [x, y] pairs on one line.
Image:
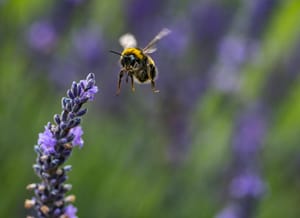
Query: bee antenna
[[115, 52]]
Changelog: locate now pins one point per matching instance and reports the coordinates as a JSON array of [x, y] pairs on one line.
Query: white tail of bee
[[128, 41]]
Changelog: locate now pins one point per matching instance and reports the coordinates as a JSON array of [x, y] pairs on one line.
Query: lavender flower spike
[[54, 147]]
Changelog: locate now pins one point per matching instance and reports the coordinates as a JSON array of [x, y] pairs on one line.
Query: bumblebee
[[136, 64]]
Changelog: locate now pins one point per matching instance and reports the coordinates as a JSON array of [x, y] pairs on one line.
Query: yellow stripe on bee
[[150, 60], [137, 52]]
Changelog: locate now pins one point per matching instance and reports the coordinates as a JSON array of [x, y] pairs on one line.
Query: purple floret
[[70, 211], [47, 141], [77, 132], [89, 91]]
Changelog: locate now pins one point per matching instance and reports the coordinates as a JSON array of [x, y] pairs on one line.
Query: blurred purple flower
[[147, 13], [89, 45], [75, 2], [233, 50], [226, 78], [139, 11], [62, 69], [209, 20], [42, 36], [177, 42], [261, 11], [70, 211], [77, 132], [247, 185], [248, 139], [230, 211], [47, 141]]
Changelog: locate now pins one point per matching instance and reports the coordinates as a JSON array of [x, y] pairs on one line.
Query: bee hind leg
[[151, 75], [121, 74], [153, 87], [132, 83]]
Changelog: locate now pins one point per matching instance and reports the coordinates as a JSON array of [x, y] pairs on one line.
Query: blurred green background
[[220, 140]]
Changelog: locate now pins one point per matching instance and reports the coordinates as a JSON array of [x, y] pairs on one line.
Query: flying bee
[[136, 63]]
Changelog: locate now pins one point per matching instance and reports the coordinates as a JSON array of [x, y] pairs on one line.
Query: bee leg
[[127, 78], [153, 87], [151, 71], [119, 82], [132, 83]]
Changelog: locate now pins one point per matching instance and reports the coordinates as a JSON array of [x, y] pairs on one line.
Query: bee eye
[[131, 58]]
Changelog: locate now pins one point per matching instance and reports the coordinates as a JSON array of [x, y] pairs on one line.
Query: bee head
[[128, 60]]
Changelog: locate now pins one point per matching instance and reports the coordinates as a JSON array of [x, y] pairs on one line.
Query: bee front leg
[[132, 83], [119, 82]]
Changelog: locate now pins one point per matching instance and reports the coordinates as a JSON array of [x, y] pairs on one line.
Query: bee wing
[[128, 41], [150, 48]]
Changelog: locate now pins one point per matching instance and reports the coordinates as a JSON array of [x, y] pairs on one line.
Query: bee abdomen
[[142, 75]]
